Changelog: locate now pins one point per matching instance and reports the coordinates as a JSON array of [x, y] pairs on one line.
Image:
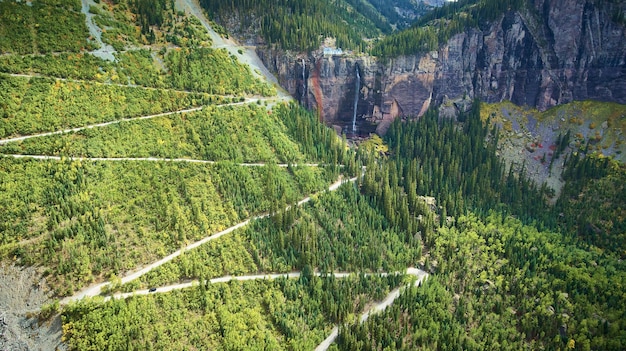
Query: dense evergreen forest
[[436, 27], [396, 28], [591, 205], [84, 227], [464, 170], [507, 269], [339, 231], [400, 13], [302, 25], [284, 314], [512, 272], [507, 286]]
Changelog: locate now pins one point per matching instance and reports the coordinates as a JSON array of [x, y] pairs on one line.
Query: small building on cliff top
[[332, 52]]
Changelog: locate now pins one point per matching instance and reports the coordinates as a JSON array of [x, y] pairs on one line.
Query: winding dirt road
[[270, 101], [153, 159], [381, 306], [325, 344], [96, 289], [291, 275], [225, 279], [247, 57], [95, 82]]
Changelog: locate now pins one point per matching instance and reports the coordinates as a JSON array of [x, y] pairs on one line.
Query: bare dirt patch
[[22, 294]]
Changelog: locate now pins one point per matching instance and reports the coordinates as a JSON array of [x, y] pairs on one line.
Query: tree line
[[299, 25], [439, 25]]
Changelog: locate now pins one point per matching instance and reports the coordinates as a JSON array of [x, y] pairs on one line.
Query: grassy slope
[[88, 221]]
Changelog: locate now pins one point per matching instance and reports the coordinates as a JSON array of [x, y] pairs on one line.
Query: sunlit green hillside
[[157, 193]]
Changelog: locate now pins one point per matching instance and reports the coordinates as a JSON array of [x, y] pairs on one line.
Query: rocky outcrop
[[553, 53], [328, 83], [563, 50]]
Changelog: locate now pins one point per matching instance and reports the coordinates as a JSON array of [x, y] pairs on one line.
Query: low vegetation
[[239, 134], [39, 27], [339, 231], [35, 105]]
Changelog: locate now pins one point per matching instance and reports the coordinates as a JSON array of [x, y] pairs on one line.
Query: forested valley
[[383, 29], [297, 25], [512, 271], [504, 275], [173, 199]]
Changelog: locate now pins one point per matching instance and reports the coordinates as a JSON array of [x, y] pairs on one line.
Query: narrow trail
[[270, 101], [325, 344], [381, 306], [248, 55], [153, 159], [104, 124], [270, 276], [95, 82], [95, 289], [225, 279]]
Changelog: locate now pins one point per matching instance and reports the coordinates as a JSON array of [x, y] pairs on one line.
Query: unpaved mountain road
[[291, 275], [381, 306], [325, 344], [20, 297], [96, 289], [86, 81], [270, 102], [225, 279], [247, 57], [154, 159], [97, 125]]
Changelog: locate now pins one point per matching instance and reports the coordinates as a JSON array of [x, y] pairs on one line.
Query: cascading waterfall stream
[[303, 81], [356, 97]]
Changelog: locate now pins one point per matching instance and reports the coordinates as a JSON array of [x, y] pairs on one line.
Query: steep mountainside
[[548, 53], [298, 25], [401, 13], [158, 193]]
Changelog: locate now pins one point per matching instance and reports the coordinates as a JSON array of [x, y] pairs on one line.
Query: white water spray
[[356, 97], [303, 80]]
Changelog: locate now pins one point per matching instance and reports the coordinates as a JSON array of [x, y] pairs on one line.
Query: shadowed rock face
[[560, 51]]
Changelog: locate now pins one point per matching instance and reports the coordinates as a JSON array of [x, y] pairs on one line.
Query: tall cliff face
[[328, 84], [553, 53]]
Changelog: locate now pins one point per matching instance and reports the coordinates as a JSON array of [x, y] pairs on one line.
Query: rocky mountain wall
[[553, 53]]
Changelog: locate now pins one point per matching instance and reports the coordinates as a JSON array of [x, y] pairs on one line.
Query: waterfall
[[303, 81], [356, 97]]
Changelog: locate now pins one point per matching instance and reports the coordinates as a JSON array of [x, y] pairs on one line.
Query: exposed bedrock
[[561, 50]]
